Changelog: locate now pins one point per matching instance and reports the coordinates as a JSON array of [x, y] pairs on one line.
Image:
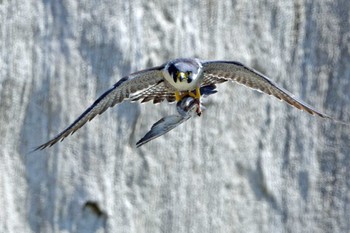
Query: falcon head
[[184, 70]]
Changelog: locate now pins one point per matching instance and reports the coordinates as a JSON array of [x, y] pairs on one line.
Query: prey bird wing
[[135, 86], [220, 71], [161, 127]]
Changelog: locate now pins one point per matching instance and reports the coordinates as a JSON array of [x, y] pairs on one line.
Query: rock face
[[248, 164]]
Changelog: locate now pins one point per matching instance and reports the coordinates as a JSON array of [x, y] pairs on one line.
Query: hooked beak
[[181, 76]]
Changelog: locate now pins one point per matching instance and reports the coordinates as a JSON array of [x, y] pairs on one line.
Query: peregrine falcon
[[177, 79]]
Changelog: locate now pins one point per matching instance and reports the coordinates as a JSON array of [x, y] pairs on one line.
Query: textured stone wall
[[248, 164]]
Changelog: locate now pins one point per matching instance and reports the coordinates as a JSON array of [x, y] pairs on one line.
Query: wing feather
[[157, 93], [133, 85], [218, 71]]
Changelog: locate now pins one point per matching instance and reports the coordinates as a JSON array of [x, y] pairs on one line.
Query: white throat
[[184, 85]]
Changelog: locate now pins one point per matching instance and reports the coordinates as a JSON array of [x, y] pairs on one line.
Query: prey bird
[[186, 108], [177, 79]]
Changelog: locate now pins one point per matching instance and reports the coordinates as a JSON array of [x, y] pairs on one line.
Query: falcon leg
[[177, 96], [198, 93], [197, 96]]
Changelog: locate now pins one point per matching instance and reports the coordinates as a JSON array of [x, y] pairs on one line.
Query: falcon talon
[[193, 95], [185, 78]]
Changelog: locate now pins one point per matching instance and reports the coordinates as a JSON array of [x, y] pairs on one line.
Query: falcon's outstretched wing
[[135, 86], [220, 71]]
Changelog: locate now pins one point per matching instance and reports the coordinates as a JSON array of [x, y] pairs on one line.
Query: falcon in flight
[[176, 80]]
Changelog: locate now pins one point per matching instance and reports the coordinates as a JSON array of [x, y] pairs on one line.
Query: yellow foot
[[196, 95], [178, 97]]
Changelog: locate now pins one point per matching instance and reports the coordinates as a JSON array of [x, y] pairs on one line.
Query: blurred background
[[250, 163]]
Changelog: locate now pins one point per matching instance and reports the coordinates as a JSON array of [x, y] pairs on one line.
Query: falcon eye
[[175, 75], [188, 75]]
